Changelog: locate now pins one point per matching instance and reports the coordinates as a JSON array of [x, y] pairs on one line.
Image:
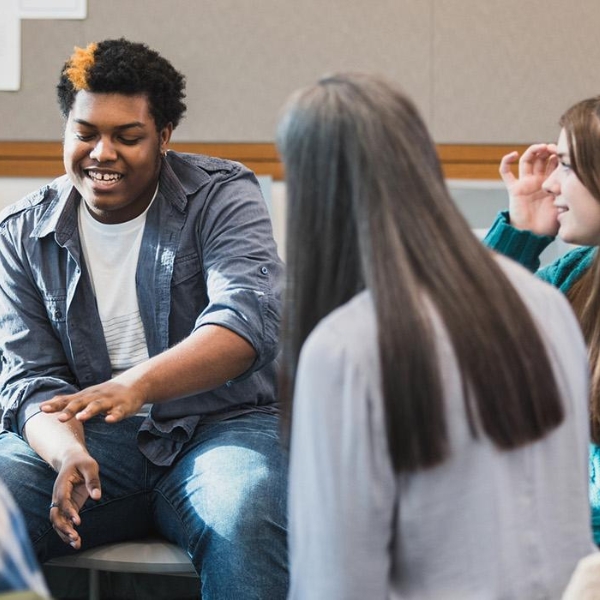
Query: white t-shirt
[[111, 252]]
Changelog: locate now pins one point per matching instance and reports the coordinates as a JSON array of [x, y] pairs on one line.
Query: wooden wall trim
[[44, 159], [474, 161]]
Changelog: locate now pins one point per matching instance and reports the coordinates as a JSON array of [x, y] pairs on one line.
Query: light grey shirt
[[485, 524]]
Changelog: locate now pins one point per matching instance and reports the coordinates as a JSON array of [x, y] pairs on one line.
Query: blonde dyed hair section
[[79, 65]]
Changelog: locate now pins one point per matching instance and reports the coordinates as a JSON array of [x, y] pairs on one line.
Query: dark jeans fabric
[[223, 500]]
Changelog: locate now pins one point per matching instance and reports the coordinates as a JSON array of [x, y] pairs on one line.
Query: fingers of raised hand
[[551, 164], [505, 167], [534, 160]]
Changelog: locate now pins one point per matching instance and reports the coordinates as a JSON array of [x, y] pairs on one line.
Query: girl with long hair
[[557, 193], [439, 417]]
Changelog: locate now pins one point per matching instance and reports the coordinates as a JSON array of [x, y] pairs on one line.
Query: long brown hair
[[582, 127], [368, 207]]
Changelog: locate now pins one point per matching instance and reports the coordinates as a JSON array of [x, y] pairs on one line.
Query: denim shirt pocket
[[55, 302], [185, 268], [56, 307], [188, 295]]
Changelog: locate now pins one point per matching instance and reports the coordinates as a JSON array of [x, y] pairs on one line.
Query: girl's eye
[[565, 166], [130, 141], [84, 137]]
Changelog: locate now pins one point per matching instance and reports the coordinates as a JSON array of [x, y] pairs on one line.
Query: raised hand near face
[[530, 206]]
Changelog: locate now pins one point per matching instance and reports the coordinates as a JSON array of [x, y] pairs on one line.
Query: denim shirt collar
[[61, 216], [180, 178]]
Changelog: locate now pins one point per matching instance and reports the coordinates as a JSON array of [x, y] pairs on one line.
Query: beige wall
[[481, 71]]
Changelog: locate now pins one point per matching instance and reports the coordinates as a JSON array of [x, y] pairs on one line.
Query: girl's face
[[578, 210]]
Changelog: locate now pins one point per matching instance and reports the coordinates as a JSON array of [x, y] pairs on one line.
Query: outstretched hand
[[78, 479], [112, 398], [530, 206]]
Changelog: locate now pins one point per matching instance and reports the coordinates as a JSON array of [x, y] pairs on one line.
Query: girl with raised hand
[[557, 193]]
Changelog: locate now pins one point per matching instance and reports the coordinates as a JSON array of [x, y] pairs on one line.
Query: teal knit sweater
[[525, 247]]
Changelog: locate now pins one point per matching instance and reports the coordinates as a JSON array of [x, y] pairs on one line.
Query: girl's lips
[[561, 211]]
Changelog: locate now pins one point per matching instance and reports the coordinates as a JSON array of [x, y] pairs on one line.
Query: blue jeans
[[223, 500]]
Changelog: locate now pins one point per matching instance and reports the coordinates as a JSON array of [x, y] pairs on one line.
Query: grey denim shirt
[[207, 257]]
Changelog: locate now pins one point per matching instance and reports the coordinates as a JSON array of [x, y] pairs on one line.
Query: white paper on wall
[[10, 46], [53, 9]]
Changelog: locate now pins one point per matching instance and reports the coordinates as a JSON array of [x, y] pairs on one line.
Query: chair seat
[[140, 556]]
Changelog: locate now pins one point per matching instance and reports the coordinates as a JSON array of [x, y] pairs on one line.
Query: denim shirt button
[[264, 270], [58, 314]]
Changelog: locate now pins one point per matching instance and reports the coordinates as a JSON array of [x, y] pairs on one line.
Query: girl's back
[[483, 524]]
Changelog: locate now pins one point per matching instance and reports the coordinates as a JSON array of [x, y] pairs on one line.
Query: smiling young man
[[139, 313], [112, 153]]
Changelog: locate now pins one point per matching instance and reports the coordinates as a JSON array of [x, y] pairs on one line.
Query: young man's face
[[112, 153]]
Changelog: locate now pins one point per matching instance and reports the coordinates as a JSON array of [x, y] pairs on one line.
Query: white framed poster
[[53, 9], [10, 46]]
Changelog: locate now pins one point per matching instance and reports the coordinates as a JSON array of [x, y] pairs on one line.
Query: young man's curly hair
[[124, 67]]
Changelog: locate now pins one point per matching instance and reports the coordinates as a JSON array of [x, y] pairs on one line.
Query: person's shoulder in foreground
[[439, 421], [339, 360], [585, 582], [19, 569]]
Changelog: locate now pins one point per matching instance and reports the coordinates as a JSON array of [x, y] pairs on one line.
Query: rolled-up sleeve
[[242, 268]]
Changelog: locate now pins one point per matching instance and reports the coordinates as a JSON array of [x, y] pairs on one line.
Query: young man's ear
[[165, 136]]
